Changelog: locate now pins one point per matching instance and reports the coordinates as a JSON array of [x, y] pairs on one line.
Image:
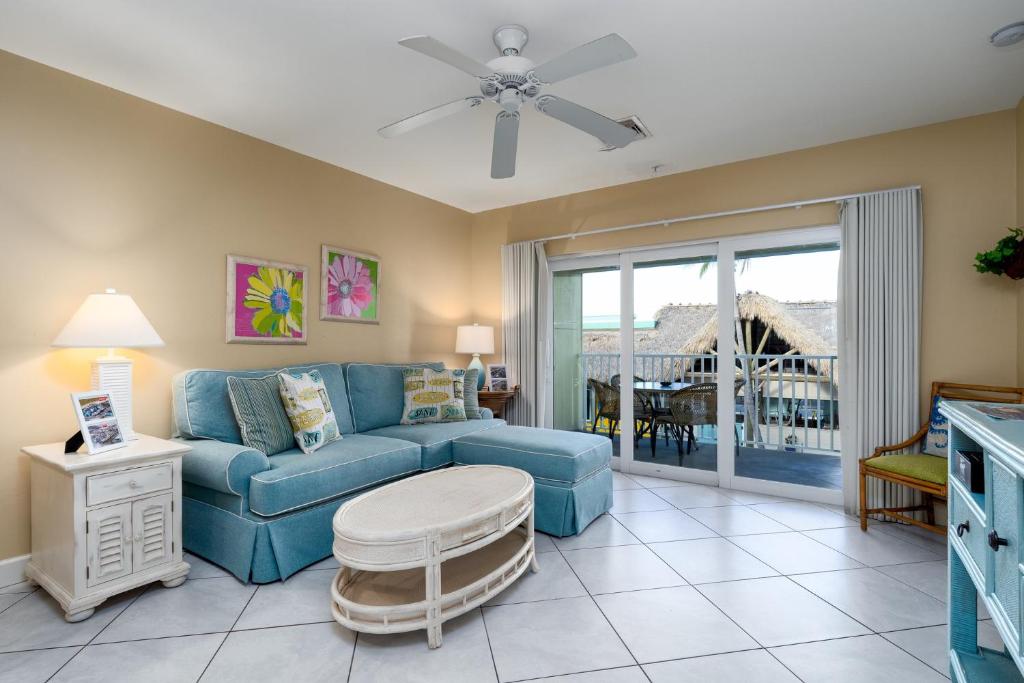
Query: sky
[[789, 277]]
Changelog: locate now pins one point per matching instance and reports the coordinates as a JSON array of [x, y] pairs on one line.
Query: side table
[[497, 401], [106, 523]]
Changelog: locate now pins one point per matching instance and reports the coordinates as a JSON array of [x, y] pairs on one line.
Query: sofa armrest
[[221, 466], [486, 414]]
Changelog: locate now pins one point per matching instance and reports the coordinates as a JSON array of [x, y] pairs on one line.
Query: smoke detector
[[1011, 34]]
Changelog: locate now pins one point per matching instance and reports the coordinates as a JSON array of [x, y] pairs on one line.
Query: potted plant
[[1006, 258]]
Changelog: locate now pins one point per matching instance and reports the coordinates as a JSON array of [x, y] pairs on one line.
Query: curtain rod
[[721, 214]]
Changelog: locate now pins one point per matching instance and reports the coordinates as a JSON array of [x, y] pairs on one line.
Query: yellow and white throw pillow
[[308, 407], [434, 396]]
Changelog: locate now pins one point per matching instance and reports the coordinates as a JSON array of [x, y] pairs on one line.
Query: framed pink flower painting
[[266, 302], [349, 286]]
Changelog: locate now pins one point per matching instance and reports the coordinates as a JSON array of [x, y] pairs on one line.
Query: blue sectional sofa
[[264, 518]]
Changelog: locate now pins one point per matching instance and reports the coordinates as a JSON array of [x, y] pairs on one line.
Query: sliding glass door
[[585, 305], [786, 349], [674, 376], [713, 362]]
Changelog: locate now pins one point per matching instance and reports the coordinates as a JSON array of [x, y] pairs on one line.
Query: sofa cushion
[[556, 457], [436, 438], [297, 480], [930, 468], [256, 403], [377, 392], [202, 408]]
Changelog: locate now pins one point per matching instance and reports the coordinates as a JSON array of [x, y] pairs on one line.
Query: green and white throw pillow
[[305, 400], [433, 396]]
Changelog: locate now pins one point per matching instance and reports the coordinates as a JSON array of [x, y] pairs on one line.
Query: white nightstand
[[103, 524]]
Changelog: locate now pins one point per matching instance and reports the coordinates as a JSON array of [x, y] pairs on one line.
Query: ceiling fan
[[512, 80]]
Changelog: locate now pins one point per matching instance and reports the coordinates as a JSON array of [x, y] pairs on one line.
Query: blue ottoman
[[571, 471]]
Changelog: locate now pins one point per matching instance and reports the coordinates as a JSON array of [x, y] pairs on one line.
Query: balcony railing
[[787, 402]]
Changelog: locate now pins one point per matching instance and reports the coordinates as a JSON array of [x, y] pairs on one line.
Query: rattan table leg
[[433, 592]]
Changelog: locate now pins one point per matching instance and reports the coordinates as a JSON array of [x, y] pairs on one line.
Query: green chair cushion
[[929, 468]]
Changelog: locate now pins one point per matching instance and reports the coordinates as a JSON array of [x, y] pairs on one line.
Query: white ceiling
[[714, 81]]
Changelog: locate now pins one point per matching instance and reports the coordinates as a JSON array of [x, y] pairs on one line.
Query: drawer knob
[[994, 541], [132, 484], [962, 527]]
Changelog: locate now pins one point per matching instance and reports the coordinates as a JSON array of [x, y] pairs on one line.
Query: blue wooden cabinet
[[985, 552]]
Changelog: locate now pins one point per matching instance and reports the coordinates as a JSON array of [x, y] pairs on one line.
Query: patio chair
[[689, 407], [924, 471], [607, 406]]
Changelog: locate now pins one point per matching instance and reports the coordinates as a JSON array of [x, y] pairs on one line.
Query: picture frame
[[97, 419], [349, 285], [497, 376], [266, 301]]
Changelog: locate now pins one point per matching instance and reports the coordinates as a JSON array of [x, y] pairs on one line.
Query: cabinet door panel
[[1005, 587], [151, 525], [107, 540]]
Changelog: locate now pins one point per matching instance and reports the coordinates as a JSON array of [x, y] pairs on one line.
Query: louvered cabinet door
[[151, 531], [108, 543]]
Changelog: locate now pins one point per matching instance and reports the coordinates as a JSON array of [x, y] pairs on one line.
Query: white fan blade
[[601, 127], [432, 47], [429, 116], [506, 138], [611, 49]]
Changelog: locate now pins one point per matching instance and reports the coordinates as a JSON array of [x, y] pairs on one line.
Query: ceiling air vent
[[634, 123]]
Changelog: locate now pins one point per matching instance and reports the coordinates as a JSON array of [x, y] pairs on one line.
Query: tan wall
[[967, 171], [1020, 222], [99, 189]]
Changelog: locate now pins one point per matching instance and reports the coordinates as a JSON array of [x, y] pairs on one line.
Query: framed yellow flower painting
[[349, 286], [266, 302]]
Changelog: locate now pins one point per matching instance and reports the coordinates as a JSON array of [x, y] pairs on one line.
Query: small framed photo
[[97, 420], [497, 376]]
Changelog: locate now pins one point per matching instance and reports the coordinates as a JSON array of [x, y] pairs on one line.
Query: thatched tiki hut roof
[[768, 328]]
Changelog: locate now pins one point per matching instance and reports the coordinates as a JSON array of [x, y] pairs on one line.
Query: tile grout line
[[352, 658], [90, 641], [607, 620], [487, 635], [788, 576], [228, 633]]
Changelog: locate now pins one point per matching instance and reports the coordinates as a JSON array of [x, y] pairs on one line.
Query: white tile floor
[[680, 583]]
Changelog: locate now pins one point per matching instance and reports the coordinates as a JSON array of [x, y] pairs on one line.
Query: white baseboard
[[12, 570]]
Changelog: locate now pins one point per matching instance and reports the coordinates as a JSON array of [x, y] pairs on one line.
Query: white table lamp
[[475, 339], [111, 320]]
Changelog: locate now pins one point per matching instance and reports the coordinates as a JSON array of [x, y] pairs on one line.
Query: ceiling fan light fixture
[[1011, 34]]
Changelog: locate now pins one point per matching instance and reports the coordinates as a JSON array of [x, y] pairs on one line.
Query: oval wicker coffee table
[[424, 550]]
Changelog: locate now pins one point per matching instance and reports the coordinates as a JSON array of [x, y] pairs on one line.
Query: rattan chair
[[689, 407], [924, 471], [692, 405], [607, 407]]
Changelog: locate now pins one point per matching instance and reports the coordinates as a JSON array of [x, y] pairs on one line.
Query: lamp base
[[113, 374], [477, 364]]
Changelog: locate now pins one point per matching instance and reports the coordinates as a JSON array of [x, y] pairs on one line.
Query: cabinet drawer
[[1005, 586], [103, 488], [970, 530]]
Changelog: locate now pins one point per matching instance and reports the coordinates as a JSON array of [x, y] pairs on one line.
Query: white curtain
[[880, 332], [524, 271]]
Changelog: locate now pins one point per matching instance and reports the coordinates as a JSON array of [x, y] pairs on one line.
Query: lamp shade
[[474, 339], [108, 320]]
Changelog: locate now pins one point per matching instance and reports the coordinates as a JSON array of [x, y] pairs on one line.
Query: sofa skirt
[[566, 511], [259, 551]]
